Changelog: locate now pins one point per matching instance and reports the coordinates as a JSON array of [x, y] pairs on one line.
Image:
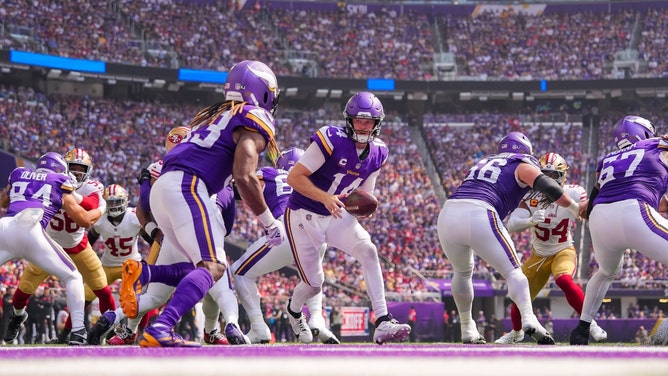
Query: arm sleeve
[[592, 197], [313, 158], [144, 196], [549, 187], [370, 183], [520, 220], [90, 202]]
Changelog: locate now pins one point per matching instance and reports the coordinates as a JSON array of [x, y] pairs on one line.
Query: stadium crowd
[[383, 43]]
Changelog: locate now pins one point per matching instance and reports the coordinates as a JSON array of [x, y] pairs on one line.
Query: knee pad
[[31, 279]]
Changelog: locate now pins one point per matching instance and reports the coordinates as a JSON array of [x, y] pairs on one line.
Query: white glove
[[275, 233], [537, 217]]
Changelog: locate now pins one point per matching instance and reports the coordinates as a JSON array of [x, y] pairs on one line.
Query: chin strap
[[365, 153]]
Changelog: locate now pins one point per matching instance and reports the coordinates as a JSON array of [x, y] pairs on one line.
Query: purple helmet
[[289, 158], [253, 82], [53, 162], [363, 105], [515, 142], [631, 129]]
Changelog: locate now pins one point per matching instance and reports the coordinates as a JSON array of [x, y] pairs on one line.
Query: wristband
[[150, 228], [574, 208], [266, 218]]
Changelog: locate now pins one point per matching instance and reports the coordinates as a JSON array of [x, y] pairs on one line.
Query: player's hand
[[537, 217], [144, 175], [334, 205], [275, 233]]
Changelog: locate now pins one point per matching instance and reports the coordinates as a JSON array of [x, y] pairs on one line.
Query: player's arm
[[663, 204], [4, 197], [82, 217], [298, 179], [532, 176], [521, 218], [93, 235]]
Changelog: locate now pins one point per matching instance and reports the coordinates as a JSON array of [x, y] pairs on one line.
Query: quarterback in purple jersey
[[261, 258], [471, 219], [33, 198], [338, 160], [629, 194], [224, 144]]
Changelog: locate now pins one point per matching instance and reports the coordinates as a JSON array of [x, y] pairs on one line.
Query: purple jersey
[[227, 206], [343, 171], [208, 151], [637, 172], [276, 189], [492, 180], [37, 189]]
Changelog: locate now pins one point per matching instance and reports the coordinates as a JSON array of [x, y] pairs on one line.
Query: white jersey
[[554, 234], [120, 241], [62, 229]]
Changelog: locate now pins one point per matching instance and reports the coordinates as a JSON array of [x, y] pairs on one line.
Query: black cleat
[[580, 336], [14, 326], [78, 338]]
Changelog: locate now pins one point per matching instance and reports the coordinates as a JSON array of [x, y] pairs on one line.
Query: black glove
[[144, 175]]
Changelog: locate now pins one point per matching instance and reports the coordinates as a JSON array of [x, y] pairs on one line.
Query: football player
[[224, 144], [624, 210], [261, 258], [33, 198], [73, 238], [119, 230], [492, 188], [338, 160], [552, 250]]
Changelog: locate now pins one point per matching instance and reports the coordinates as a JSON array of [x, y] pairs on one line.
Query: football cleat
[[511, 338], [103, 325], [14, 326], [580, 336], [215, 338], [131, 286], [159, 336], [324, 335], [391, 330], [533, 328], [259, 334], [123, 337], [299, 326], [597, 333], [235, 336], [78, 338]]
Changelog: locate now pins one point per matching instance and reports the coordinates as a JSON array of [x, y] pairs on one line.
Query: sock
[[574, 294], [190, 291], [516, 317], [20, 301], [107, 301], [170, 275]]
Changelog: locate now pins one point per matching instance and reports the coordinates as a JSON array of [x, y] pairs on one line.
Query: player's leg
[[305, 236], [454, 234]]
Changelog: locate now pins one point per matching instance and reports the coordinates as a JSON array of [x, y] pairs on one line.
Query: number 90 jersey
[[554, 234], [343, 171], [492, 180]]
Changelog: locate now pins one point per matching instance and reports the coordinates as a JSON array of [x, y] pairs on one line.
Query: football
[[361, 203]]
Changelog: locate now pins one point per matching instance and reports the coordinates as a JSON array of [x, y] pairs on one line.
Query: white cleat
[[324, 335], [259, 334], [597, 333], [532, 327], [511, 338], [391, 330], [300, 328]]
